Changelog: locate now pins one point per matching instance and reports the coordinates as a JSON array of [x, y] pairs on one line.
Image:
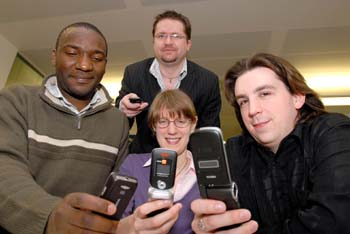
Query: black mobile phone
[[211, 164], [119, 189], [162, 176], [135, 100]]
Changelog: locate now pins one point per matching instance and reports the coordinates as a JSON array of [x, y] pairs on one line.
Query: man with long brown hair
[[292, 161]]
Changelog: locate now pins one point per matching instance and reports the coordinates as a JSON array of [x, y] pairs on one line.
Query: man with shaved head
[[60, 141]]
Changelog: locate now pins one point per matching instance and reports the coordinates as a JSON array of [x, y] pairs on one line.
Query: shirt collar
[[155, 71], [296, 134], [52, 88], [147, 163]]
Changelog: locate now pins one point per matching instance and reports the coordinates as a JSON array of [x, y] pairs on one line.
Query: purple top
[[133, 166]]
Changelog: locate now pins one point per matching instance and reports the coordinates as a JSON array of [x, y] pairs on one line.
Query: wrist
[[126, 225]]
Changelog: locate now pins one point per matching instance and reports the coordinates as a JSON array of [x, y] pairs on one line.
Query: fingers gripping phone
[[162, 177], [119, 189], [211, 164]]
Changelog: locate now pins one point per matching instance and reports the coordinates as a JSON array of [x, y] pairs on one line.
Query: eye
[[265, 93], [181, 121], [176, 36], [71, 53], [242, 102], [162, 121], [98, 58], [160, 36]]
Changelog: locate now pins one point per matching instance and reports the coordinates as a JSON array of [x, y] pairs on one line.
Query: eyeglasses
[[172, 36], [180, 123]]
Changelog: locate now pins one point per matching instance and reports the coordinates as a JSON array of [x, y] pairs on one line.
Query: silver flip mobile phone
[[119, 189], [211, 164], [162, 177]]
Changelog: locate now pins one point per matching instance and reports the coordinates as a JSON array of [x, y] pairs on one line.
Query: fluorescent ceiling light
[[333, 87], [336, 101], [332, 84]]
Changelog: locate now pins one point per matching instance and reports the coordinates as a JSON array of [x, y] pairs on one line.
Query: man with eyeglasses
[[169, 69]]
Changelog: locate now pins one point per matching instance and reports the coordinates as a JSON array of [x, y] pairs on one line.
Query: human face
[[80, 62], [269, 111], [172, 137], [170, 50]]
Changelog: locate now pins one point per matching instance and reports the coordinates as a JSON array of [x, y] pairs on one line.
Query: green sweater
[[47, 151]]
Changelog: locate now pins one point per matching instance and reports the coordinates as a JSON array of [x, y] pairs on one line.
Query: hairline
[[84, 25]]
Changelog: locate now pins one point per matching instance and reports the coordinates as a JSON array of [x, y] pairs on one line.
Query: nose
[[168, 39], [172, 128], [254, 107], [84, 63]]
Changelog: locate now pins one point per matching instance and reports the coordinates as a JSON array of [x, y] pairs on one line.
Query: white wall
[[7, 56]]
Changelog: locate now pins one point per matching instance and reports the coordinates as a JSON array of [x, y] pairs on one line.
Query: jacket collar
[[248, 141], [51, 92]]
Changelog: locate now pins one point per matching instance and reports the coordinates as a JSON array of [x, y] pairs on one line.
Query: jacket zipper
[[79, 121]]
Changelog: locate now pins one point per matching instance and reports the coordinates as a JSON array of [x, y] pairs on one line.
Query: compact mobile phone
[[135, 100], [119, 189], [211, 164], [162, 177]]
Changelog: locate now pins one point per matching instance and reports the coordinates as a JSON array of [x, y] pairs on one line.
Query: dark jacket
[[305, 186], [200, 84]]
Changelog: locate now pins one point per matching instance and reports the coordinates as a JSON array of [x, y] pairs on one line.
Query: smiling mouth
[[82, 76], [83, 80], [260, 124], [168, 49], [172, 140]]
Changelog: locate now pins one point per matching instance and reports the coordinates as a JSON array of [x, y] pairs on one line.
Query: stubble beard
[[168, 60]]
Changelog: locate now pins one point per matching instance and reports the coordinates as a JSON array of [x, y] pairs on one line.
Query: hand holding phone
[[119, 189], [211, 164]]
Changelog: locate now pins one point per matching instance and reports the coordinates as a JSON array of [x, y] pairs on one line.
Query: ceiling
[[313, 34]]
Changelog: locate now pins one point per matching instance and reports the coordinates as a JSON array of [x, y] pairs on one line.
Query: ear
[[189, 45], [299, 100], [193, 127], [53, 57]]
